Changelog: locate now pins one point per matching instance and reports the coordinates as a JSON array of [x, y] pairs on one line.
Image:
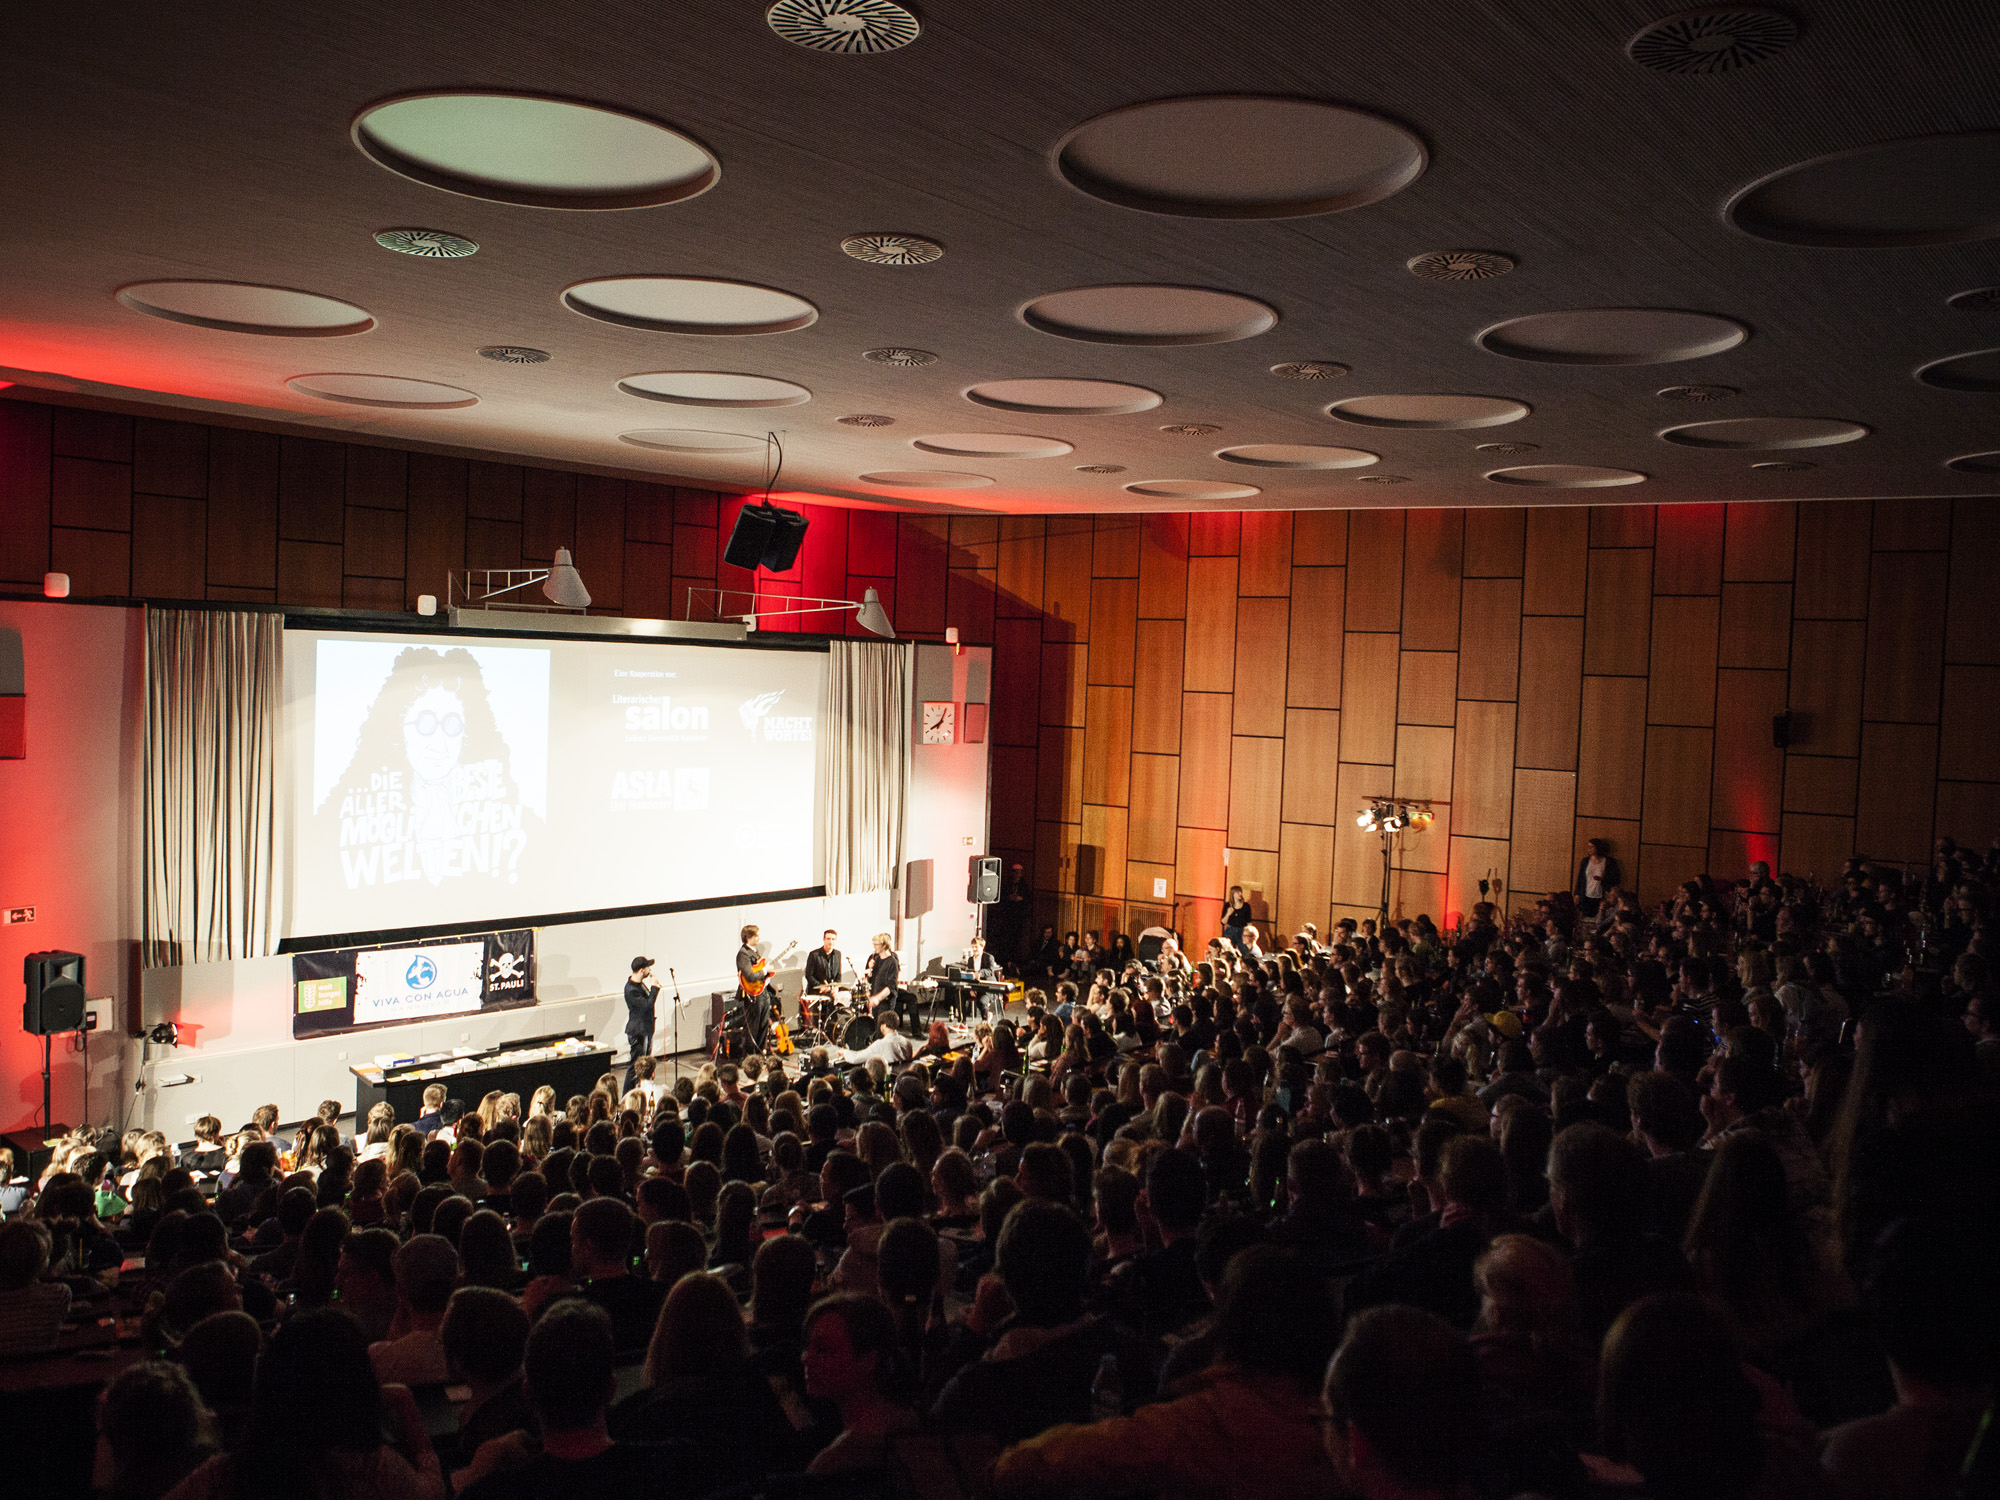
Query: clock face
[[939, 722]]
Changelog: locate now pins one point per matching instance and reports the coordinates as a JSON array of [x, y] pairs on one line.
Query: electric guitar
[[760, 972]]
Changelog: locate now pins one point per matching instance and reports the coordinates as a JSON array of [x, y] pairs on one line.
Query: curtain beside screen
[[214, 704], [864, 763]]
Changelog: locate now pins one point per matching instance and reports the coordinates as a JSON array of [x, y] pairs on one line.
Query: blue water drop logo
[[422, 971]]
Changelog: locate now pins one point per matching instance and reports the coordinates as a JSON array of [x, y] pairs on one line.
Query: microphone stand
[[676, 981]]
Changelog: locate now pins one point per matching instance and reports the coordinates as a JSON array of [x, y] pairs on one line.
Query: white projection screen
[[455, 780]]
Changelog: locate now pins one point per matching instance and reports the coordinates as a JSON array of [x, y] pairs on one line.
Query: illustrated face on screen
[[434, 733]]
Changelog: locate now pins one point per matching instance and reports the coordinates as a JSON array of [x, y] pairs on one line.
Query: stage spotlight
[[1422, 818], [1365, 818]]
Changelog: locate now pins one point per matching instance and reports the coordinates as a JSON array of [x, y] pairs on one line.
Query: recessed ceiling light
[[1310, 369], [515, 354], [692, 441], [1613, 336], [430, 244], [1191, 429], [1100, 468], [383, 390], [1927, 190], [901, 358], [1382, 479], [850, 26], [534, 150], [1076, 398], [1192, 489], [1717, 39], [1507, 447], [1984, 299], [1433, 413], [866, 419], [1149, 315], [1298, 456], [1566, 476], [1975, 463], [926, 479], [1239, 156], [1461, 265], [239, 307], [892, 249], [690, 304], [1978, 372], [714, 388], [1766, 432], [1784, 466], [1697, 392], [992, 445]]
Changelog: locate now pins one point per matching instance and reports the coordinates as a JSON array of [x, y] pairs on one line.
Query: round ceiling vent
[[1784, 466], [1100, 468], [515, 354], [866, 419], [1310, 369], [851, 26], [431, 244], [892, 249], [1461, 265], [1191, 429], [1697, 393], [1718, 39], [902, 359], [1507, 447], [1985, 299], [1383, 479]]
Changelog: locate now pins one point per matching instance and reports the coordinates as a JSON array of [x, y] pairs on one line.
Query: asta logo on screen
[[774, 729], [421, 974]]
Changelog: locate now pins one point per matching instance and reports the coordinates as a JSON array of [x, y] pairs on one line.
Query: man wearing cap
[[640, 993]]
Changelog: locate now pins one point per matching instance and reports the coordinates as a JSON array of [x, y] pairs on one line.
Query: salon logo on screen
[[774, 729]]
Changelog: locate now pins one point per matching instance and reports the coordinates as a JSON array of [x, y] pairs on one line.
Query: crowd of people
[[1696, 1200]]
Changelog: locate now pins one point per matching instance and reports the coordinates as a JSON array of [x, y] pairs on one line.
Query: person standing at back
[[640, 994]]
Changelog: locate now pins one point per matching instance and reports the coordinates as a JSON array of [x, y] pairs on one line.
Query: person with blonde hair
[[1528, 1338]]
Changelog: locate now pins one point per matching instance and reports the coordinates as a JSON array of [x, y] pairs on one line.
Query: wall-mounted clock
[[940, 723]]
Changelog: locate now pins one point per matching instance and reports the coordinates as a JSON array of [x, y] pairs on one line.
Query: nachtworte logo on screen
[[774, 729]]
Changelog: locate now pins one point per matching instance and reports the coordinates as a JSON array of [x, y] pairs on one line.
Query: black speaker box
[[982, 885], [765, 536], [788, 534], [55, 993]]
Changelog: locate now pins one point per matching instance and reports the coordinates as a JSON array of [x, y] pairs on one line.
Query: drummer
[[824, 965]]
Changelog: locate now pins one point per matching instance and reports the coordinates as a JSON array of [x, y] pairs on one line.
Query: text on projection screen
[[454, 780]]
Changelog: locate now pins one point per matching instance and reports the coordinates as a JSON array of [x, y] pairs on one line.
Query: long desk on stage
[[568, 1062]]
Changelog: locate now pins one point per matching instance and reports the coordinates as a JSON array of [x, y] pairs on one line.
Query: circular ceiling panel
[[1439, 413], [1566, 476], [714, 388], [1613, 336], [1978, 372], [926, 479], [690, 304], [1976, 463], [383, 390], [238, 307], [1299, 456], [1766, 432], [1239, 156], [691, 441], [1149, 315], [1192, 489], [534, 150], [1927, 190], [992, 445], [1076, 398]]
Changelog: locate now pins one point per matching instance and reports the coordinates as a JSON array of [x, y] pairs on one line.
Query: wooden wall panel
[[311, 571], [1428, 690], [1972, 620], [435, 547], [1611, 766], [1214, 533], [1905, 636], [1427, 849], [1149, 883], [1820, 784], [374, 544], [1013, 811], [1066, 585], [1368, 722], [1749, 769], [1762, 540], [169, 547], [1063, 685], [1616, 624], [1621, 526], [1199, 863], [1682, 679], [1204, 788], [1305, 874], [1556, 567], [1107, 745], [1266, 570], [1482, 781], [169, 458], [1375, 570], [99, 563], [1312, 765], [1319, 538], [1971, 810], [1059, 776], [648, 589], [1912, 525], [1100, 862], [1163, 567], [1114, 551], [1898, 790], [1156, 687], [92, 494], [1114, 612], [1017, 685], [1357, 853], [1494, 538], [1313, 659], [1489, 637], [1423, 762], [1756, 625], [1815, 846], [1830, 572], [1155, 807], [1417, 894], [1211, 621], [1017, 565], [1687, 555], [1262, 626], [1663, 868], [1256, 791], [1055, 857], [1971, 743], [1474, 860], [1544, 817], [1551, 691], [1678, 763], [1732, 852], [1825, 699], [1256, 870], [969, 604], [1433, 559]]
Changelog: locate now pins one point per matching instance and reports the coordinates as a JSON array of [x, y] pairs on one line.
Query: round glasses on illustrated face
[[429, 723]]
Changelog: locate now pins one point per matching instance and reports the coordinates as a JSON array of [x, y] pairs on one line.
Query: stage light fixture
[[1365, 818], [564, 586], [872, 617]]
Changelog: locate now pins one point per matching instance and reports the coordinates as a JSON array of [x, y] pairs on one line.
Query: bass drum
[[862, 1031]]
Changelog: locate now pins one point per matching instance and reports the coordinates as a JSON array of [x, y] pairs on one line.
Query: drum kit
[[834, 1019]]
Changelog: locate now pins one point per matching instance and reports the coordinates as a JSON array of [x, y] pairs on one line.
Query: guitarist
[[753, 988]]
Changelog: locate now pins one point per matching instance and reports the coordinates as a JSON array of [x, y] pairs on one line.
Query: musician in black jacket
[[825, 963], [753, 984], [640, 993], [880, 975], [985, 966]]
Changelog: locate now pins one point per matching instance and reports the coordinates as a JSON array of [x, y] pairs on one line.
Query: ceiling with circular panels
[[1126, 214], [1239, 157], [534, 150]]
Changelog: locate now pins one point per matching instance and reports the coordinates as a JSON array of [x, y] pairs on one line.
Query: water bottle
[[1107, 1391]]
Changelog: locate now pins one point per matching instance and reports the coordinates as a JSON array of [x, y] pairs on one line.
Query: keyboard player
[[982, 965]]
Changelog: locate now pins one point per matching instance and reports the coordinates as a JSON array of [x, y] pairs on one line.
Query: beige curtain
[[214, 704], [864, 763]]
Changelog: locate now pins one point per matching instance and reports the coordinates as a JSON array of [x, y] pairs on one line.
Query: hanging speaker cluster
[[765, 536]]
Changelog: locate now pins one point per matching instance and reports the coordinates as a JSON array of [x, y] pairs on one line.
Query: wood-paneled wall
[[1185, 702]]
